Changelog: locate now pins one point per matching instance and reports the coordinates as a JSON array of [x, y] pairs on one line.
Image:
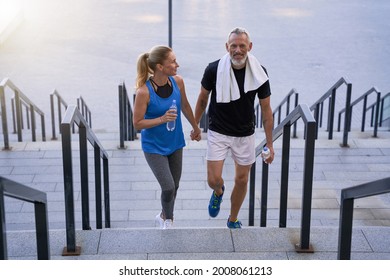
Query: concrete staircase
[[135, 200]]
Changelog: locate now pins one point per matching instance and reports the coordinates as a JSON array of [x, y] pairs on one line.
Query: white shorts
[[242, 148]]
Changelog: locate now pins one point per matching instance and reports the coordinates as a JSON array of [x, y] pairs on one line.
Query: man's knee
[[241, 180], [215, 182]]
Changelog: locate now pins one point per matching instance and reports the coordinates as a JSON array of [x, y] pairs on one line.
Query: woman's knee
[[168, 195]]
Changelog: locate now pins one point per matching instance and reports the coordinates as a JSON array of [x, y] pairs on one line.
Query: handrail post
[[284, 176], [13, 115], [252, 183], [295, 123], [84, 177], [106, 193], [131, 130], [264, 195], [4, 119], [3, 235], [170, 23], [18, 116], [42, 231], [121, 117], [345, 228], [339, 121], [71, 248], [377, 108], [307, 188], [53, 126], [332, 101], [127, 111], [59, 112], [43, 129], [33, 124], [348, 115], [316, 117], [98, 187], [382, 105], [364, 114]]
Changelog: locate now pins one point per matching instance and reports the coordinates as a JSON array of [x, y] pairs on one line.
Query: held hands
[[196, 134]]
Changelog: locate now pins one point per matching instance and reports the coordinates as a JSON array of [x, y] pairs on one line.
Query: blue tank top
[[158, 140]]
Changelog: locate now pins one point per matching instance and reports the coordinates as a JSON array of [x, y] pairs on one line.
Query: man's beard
[[239, 62]]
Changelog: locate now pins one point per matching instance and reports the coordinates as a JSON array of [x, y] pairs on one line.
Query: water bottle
[[265, 153], [172, 124]]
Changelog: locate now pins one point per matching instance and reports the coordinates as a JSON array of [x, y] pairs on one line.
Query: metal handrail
[[60, 101], [301, 111], [286, 101], [22, 103], [330, 95], [73, 116], [364, 98], [348, 196], [19, 98], [381, 110], [19, 191], [127, 132], [85, 112]]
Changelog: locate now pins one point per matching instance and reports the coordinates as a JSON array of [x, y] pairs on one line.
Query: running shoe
[[168, 223], [215, 203], [235, 224], [159, 220]]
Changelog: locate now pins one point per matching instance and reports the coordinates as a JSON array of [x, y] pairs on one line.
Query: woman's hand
[[196, 134]]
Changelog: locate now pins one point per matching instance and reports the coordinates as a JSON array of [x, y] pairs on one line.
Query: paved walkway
[[91, 54]]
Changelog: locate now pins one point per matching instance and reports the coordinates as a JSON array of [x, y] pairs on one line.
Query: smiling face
[[170, 65], [238, 47]]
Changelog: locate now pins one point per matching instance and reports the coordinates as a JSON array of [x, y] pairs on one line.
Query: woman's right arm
[[140, 105]]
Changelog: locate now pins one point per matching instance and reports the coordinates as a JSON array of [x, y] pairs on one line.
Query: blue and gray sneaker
[[235, 224], [215, 203]]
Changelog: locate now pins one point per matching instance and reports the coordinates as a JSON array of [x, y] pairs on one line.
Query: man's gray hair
[[238, 31]]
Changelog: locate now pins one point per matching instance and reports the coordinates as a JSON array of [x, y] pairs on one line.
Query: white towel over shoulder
[[227, 87]]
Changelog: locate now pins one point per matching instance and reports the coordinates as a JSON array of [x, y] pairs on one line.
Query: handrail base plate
[[298, 249], [77, 252]]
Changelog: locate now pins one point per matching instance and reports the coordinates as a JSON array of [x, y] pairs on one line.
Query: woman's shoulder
[[143, 90], [178, 79]]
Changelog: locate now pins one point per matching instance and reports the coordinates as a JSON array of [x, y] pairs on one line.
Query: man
[[234, 81]]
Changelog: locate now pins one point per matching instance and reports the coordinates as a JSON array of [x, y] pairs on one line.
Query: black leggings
[[167, 170]]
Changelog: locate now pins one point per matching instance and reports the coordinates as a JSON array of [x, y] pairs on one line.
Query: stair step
[[201, 243]]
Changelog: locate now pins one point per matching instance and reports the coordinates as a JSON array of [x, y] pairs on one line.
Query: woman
[[157, 86]]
